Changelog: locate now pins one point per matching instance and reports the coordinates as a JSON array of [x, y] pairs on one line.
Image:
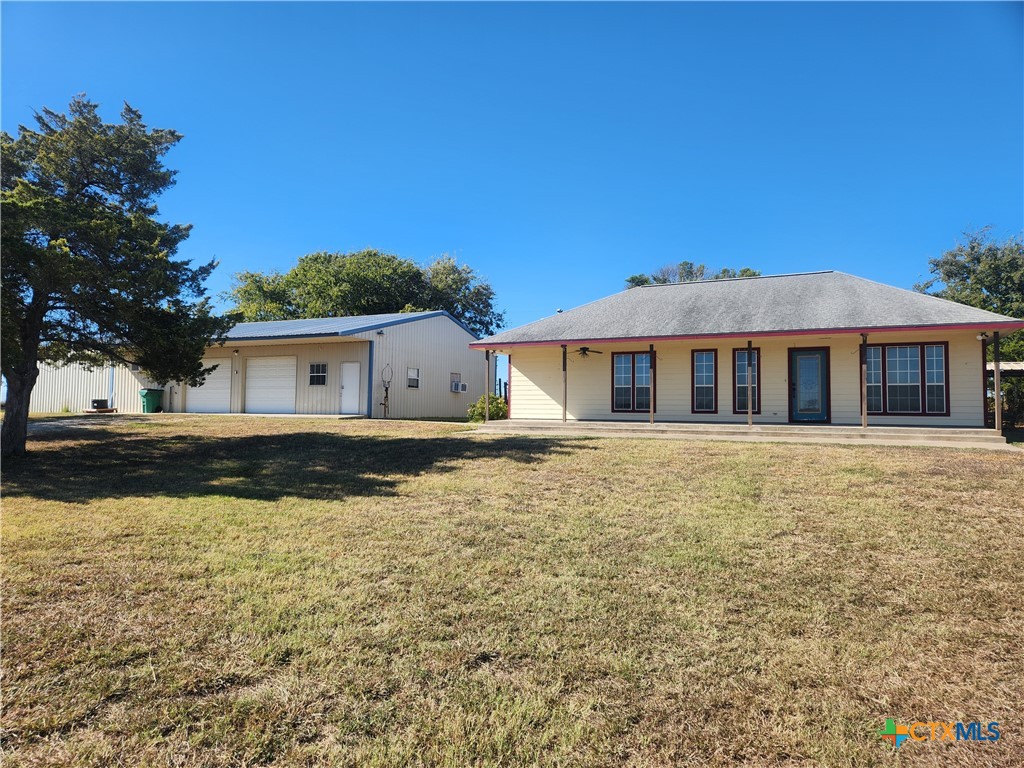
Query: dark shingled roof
[[328, 326], [812, 301]]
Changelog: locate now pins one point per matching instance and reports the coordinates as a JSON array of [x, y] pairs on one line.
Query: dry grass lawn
[[225, 591]]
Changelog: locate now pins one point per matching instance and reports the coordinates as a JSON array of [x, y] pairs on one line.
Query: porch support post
[[650, 404], [750, 383], [565, 383], [487, 387], [864, 380], [997, 391]]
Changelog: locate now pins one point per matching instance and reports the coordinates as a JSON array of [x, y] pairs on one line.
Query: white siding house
[[680, 350], [320, 366]]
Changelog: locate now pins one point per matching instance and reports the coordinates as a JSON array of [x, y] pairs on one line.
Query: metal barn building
[[321, 366]]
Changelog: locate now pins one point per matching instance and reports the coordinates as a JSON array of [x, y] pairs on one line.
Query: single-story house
[[811, 348], [324, 366]]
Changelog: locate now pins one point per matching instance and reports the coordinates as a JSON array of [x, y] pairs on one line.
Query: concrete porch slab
[[941, 437]]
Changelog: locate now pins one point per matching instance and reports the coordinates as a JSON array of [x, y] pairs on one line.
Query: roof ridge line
[[732, 279], [341, 317]]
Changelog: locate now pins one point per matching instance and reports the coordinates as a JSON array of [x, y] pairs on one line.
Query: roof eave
[[1011, 325], [351, 332]]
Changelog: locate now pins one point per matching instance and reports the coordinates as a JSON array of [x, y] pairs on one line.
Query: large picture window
[[632, 382], [705, 373], [903, 379], [739, 400], [908, 379]]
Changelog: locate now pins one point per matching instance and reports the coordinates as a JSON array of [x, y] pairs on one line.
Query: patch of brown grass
[[237, 591]]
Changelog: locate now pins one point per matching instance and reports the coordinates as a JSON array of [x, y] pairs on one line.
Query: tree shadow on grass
[[104, 464]]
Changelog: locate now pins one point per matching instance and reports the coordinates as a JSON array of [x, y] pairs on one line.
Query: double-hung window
[[874, 362], [413, 378], [739, 404], [632, 382], [906, 379], [705, 370], [935, 378]]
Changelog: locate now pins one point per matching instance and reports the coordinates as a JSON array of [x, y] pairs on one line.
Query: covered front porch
[[844, 379]]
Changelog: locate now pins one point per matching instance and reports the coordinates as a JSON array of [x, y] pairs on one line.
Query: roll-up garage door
[[270, 385], [215, 394]]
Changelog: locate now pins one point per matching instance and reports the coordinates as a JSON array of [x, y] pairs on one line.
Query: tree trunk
[[21, 369], [15, 429]]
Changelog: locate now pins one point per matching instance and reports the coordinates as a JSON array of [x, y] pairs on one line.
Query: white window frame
[[410, 378], [317, 373]]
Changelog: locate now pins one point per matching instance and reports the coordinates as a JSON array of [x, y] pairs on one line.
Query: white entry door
[[215, 394], [350, 388], [270, 385]]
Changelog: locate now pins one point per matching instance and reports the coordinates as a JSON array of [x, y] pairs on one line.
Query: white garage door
[[215, 394], [270, 385]]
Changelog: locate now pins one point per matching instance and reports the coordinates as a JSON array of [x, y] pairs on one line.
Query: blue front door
[[808, 385]]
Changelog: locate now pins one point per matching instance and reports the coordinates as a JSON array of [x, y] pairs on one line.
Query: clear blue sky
[[558, 148]]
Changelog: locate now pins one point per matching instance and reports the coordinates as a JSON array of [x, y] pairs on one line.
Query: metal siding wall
[[127, 384], [74, 387], [68, 388], [438, 347], [536, 384], [308, 399]]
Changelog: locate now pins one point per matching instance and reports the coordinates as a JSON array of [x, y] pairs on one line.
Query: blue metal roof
[[329, 326]]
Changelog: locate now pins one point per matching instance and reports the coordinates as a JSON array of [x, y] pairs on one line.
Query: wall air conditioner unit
[[464, 387]]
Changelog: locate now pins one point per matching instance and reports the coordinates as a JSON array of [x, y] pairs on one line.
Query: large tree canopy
[[88, 270], [366, 283], [987, 274], [687, 271]]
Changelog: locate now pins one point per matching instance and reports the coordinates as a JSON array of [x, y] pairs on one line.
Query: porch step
[[935, 436]]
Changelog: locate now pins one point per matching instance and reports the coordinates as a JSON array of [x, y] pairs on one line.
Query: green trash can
[[151, 400]]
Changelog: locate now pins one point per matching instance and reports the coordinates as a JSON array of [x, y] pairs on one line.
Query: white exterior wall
[[438, 347], [308, 399], [72, 388], [535, 390]]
